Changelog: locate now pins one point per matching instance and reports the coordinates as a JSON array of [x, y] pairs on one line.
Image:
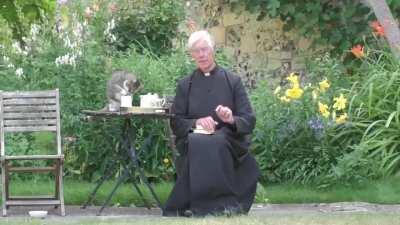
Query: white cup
[[126, 101]]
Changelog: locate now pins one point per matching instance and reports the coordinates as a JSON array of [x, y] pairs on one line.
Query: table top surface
[[101, 113]]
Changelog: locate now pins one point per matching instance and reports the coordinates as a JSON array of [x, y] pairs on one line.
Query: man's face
[[203, 54]]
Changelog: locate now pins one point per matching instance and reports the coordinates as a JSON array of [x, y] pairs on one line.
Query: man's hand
[[207, 123], [225, 114]]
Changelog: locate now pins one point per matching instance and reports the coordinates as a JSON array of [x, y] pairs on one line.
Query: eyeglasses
[[200, 50]]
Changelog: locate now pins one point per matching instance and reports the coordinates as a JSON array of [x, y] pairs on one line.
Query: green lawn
[[383, 191]]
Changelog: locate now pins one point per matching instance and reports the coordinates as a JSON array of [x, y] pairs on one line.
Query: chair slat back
[[29, 111]]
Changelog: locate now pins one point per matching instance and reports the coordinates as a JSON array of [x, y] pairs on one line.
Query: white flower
[[10, 65], [66, 60], [72, 60], [107, 32], [110, 26], [6, 59], [19, 72], [16, 46], [68, 43], [61, 60], [78, 30], [111, 38], [187, 3], [34, 31], [62, 2]]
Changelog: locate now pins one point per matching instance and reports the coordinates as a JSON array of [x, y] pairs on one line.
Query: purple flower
[[317, 126]]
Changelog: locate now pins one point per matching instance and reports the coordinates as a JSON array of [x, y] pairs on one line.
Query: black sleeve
[[180, 124], [243, 113]]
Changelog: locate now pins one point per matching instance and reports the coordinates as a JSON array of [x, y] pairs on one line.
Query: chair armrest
[[32, 157]]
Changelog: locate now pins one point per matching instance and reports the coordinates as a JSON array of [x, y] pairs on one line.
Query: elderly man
[[216, 173]]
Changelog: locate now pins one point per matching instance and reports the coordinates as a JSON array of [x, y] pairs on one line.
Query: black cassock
[[215, 172]]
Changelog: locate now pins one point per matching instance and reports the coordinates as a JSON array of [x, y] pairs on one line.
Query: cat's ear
[[125, 85]]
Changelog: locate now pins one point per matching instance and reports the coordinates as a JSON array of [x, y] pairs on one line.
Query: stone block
[[230, 19], [298, 63], [275, 55], [248, 44], [286, 55], [258, 60], [274, 64], [218, 33]]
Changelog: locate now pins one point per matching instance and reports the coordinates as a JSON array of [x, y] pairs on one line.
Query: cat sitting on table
[[121, 83]]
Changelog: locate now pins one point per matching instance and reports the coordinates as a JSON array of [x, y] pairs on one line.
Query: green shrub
[[149, 24], [292, 140], [373, 135], [78, 60]]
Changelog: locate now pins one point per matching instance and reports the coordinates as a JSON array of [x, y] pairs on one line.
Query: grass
[[384, 191], [76, 192], [338, 219]]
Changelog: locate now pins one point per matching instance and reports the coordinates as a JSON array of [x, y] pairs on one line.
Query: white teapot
[[151, 101]]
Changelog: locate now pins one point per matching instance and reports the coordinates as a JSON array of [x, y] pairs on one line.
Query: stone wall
[[259, 47]]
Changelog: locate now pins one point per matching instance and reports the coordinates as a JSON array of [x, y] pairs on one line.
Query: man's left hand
[[225, 114]]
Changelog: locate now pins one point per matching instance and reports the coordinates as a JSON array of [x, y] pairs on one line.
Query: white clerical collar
[[207, 74]]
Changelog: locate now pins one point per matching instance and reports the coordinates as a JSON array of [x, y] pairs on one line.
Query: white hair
[[199, 36]]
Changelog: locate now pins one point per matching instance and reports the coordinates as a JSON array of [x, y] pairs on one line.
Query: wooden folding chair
[[35, 111]]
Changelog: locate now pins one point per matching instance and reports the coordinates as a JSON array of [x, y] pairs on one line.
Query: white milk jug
[[149, 100]]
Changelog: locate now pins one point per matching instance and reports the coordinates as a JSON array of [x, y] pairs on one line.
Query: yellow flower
[[166, 160], [294, 80], [284, 99], [341, 119], [294, 93], [277, 90], [340, 102], [323, 109], [324, 85]]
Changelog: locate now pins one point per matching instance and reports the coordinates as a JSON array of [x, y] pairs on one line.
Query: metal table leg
[[131, 151], [130, 166], [125, 174], [145, 202], [109, 168], [132, 155]]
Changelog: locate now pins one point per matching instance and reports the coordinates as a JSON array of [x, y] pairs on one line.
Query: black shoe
[[188, 213]]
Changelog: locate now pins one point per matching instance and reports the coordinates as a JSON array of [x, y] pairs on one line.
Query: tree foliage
[[339, 24], [20, 14]]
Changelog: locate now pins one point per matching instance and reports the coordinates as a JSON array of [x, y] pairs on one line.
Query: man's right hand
[[207, 123]]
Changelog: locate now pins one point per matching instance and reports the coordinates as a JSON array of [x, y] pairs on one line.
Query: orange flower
[[358, 51], [378, 29]]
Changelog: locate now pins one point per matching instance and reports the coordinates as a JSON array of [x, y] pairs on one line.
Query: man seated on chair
[[216, 172]]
